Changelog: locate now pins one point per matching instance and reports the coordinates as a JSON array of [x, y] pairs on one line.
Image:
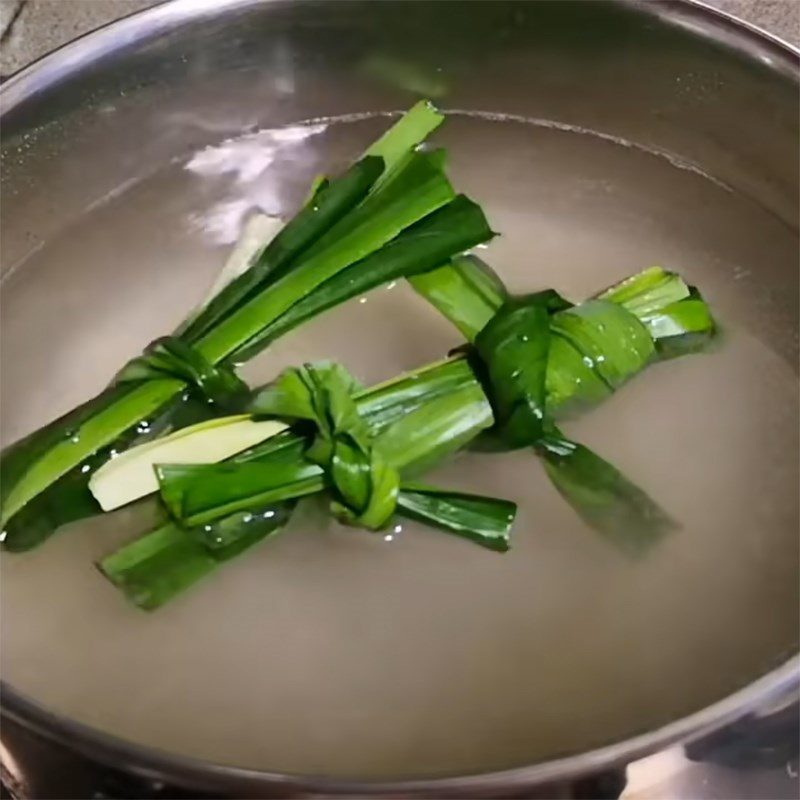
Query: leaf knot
[[171, 357], [364, 484]]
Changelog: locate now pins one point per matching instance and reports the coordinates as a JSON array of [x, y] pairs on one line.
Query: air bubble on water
[[362, 299], [247, 517], [207, 528], [85, 468], [268, 514], [588, 361], [523, 337], [396, 531], [3, 535]]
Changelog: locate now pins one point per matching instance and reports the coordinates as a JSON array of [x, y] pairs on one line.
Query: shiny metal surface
[[670, 79]]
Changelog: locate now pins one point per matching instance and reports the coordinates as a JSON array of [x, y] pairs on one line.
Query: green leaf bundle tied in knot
[[171, 357], [539, 357], [364, 484], [539, 351], [529, 361], [514, 348]]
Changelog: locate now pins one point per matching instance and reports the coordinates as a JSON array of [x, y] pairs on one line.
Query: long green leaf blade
[[93, 433], [160, 565], [224, 535], [451, 229], [316, 218], [646, 291], [406, 134], [425, 436], [18, 458], [466, 291], [675, 314], [199, 494], [418, 191], [156, 567], [486, 521], [602, 496], [67, 500]]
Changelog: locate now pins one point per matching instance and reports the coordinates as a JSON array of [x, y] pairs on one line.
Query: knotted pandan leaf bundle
[[528, 361], [391, 214]]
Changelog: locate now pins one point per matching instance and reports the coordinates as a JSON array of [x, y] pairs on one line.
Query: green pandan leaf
[[344, 223], [454, 228], [611, 340], [484, 520], [130, 475], [418, 190], [157, 567], [514, 348], [465, 290], [325, 209], [602, 496]]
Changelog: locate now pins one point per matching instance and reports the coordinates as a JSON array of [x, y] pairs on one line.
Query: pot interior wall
[[600, 138]]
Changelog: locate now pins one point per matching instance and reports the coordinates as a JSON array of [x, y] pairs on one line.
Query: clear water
[[329, 650]]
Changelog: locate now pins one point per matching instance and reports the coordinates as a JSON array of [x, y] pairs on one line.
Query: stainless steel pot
[[673, 79]]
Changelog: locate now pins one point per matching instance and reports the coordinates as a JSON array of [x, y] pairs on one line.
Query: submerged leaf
[[329, 204], [603, 497], [155, 568], [465, 290], [258, 232]]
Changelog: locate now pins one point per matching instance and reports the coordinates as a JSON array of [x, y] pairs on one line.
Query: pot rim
[[160, 766]]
